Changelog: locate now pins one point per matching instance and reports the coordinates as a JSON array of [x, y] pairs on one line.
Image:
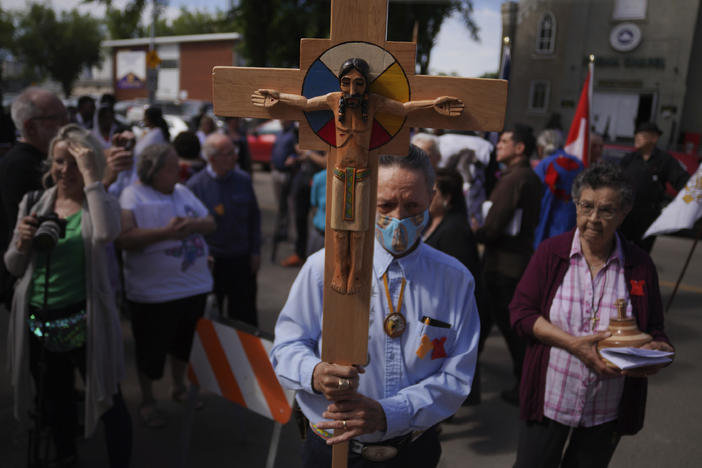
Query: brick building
[[185, 71]]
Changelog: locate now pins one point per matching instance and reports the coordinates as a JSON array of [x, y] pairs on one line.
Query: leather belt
[[375, 451], [384, 450]]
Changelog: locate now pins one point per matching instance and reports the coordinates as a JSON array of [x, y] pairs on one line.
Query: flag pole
[[505, 50], [502, 74], [591, 72], [684, 269]]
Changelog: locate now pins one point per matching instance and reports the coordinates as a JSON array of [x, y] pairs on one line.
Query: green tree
[[271, 29], [7, 31], [57, 47], [200, 22], [427, 17], [123, 23]]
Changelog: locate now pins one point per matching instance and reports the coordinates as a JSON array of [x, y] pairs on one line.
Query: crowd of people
[[95, 221], [553, 266]]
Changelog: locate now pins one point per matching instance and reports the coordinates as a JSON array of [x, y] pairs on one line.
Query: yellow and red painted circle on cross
[[387, 78]]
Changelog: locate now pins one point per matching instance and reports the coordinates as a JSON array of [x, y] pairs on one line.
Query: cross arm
[[484, 100], [233, 87]]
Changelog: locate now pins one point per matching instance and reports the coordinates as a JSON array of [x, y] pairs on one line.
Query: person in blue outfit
[[423, 338], [236, 243], [283, 164], [318, 201], [557, 172]]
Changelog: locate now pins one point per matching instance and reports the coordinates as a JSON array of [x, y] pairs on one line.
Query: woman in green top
[[63, 312]]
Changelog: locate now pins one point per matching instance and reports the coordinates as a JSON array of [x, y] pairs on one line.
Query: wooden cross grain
[[358, 29]]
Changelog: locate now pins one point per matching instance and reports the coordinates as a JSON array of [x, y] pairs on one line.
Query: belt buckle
[[379, 453]]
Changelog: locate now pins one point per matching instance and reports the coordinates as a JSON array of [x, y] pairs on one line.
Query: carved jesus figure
[[354, 108]]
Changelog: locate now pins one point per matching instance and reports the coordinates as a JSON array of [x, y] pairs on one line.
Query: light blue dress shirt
[[415, 392]]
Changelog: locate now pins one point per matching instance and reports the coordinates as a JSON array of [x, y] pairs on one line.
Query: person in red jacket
[[563, 305]]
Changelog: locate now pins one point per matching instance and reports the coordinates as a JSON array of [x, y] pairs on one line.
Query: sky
[[455, 52]]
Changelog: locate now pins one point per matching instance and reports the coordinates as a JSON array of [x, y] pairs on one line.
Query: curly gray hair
[[604, 174], [151, 160]]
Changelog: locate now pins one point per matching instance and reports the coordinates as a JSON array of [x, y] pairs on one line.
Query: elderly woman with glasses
[[563, 305], [64, 315], [165, 271]]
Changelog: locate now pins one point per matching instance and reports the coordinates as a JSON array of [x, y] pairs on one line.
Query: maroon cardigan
[[533, 299]]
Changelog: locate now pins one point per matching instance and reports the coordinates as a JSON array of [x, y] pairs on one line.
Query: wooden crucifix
[[355, 127]]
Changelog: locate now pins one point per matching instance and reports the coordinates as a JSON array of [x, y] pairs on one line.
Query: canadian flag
[[578, 141]]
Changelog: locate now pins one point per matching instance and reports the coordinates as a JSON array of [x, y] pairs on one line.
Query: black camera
[[51, 229]]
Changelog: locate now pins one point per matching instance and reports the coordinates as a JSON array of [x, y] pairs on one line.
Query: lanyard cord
[[596, 311], [387, 293]]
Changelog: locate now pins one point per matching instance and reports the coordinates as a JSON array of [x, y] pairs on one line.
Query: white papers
[[631, 358], [514, 225]]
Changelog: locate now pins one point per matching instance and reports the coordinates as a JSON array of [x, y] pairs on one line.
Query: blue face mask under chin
[[398, 235]]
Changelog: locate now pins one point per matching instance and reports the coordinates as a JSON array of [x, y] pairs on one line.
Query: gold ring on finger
[[343, 422], [341, 384]]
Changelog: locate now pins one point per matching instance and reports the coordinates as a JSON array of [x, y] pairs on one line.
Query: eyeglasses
[[604, 212], [58, 116], [230, 153]]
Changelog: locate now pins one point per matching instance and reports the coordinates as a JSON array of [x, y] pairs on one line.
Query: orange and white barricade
[[235, 365]]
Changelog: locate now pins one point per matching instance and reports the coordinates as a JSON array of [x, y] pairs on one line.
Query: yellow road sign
[[152, 59]]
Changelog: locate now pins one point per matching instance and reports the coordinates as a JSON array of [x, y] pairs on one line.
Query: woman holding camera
[[63, 312], [165, 271]]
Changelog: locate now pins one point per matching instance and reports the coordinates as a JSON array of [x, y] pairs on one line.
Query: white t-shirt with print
[[167, 270]]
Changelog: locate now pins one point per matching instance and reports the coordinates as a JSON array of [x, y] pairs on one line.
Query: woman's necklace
[[596, 310]]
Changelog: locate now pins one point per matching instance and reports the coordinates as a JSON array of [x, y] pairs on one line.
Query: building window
[[169, 63], [538, 96], [629, 10], [546, 34]]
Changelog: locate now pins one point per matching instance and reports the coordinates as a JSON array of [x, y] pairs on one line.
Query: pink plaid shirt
[[575, 395]]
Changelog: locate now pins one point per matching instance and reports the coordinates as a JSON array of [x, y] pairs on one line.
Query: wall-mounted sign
[[625, 37], [629, 62], [620, 84], [629, 10], [131, 69]]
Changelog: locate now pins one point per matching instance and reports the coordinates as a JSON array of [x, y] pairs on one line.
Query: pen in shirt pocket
[[434, 323]]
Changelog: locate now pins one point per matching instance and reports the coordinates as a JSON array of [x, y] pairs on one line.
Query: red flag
[[578, 141]]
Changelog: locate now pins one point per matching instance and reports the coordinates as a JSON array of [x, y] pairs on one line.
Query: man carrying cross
[[354, 108], [422, 344]]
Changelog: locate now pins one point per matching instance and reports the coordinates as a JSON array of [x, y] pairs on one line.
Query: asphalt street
[[225, 435]]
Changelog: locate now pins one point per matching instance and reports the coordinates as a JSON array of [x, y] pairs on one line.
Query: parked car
[[133, 109], [261, 139]]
